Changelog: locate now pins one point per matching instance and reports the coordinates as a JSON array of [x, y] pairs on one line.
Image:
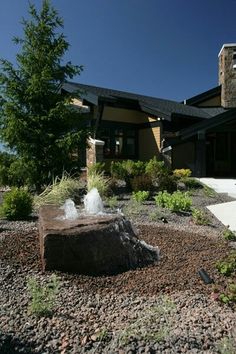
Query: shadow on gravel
[[13, 345]]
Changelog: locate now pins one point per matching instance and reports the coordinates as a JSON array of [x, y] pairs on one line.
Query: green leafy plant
[[228, 265], [140, 196], [229, 295], [60, 190], [200, 217], [17, 204], [155, 168], [182, 173], [178, 201], [42, 296], [229, 235]]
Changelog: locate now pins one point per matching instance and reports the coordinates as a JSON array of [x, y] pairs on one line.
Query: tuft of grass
[[112, 202], [209, 192], [226, 345], [99, 181], [58, 191], [229, 235], [42, 297]]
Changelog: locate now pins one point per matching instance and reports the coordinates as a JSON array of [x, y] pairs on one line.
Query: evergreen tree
[[37, 121]]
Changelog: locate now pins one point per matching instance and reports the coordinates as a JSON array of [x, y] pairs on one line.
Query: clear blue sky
[[162, 48]]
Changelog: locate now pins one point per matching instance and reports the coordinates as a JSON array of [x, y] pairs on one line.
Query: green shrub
[[177, 201], [59, 191], [126, 170], [96, 168], [42, 297], [199, 217], [17, 204], [141, 183], [182, 173], [191, 183], [167, 182], [140, 196], [155, 168], [229, 235], [99, 181]]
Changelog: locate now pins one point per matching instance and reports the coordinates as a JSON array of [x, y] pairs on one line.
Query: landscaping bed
[[163, 308]]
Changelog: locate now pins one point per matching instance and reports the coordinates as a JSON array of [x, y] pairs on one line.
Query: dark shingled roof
[[156, 106]]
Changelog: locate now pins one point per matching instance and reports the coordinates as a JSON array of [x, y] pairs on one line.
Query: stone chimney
[[227, 75]]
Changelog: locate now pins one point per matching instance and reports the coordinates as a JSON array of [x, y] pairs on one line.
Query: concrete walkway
[[225, 212]]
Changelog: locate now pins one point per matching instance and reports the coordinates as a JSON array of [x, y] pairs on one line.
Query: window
[[234, 59], [119, 142]]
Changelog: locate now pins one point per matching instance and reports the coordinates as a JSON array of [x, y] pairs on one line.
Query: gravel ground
[[164, 308]]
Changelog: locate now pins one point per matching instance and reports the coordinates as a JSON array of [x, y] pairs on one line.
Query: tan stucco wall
[[149, 143], [212, 102], [124, 115]]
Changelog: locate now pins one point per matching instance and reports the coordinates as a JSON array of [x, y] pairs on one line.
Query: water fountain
[[90, 241]]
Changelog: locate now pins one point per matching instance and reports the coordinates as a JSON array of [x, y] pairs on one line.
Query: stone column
[[94, 152]]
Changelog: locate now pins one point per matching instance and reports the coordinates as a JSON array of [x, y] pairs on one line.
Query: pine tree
[[37, 121]]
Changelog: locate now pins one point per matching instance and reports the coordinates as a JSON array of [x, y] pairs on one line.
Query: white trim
[[226, 46], [96, 142]]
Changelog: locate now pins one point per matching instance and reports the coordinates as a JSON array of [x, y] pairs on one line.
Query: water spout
[[70, 210], [93, 203]]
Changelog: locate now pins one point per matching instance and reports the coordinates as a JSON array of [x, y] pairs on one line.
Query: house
[[199, 133]]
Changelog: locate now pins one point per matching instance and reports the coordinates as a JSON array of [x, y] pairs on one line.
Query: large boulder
[[92, 245]]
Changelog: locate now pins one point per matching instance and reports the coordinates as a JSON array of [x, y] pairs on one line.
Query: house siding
[[212, 102], [149, 143], [123, 115]]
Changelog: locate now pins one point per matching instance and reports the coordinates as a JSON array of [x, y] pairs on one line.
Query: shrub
[[59, 191], [17, 204], [167, 183], [140, 196], [182, 173], [229, 235], [141, 183], [199, 217], [96, 168], [99, 181], [42, 297], [155, 168], [191, 183], [177, 201], [127, 169]]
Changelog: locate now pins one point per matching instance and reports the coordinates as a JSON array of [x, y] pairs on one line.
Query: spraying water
[[93, 203], [70, 210]]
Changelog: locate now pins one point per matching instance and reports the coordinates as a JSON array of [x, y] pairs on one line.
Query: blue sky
[[162, 48]]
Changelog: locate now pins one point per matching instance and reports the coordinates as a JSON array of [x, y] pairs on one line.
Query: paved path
[[225, 212]]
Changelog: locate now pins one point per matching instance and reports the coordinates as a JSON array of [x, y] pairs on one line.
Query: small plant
[[126, 170], [140, 196], [59, 191], [229, 235], [191, 183], [155, 168], [112, 202], [178, 201], [200, 217], [103, 335], [226, 345], [209, 192], [42, 297], [227, 266], [229, 295], [99, 181], [157, 215], [17, 204], [182, 173]]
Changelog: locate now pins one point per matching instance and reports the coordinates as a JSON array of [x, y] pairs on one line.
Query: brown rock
[[91, 245]]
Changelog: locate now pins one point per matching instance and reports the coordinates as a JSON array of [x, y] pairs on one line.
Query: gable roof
[[195, 100], [219, 119], [155, 106]]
